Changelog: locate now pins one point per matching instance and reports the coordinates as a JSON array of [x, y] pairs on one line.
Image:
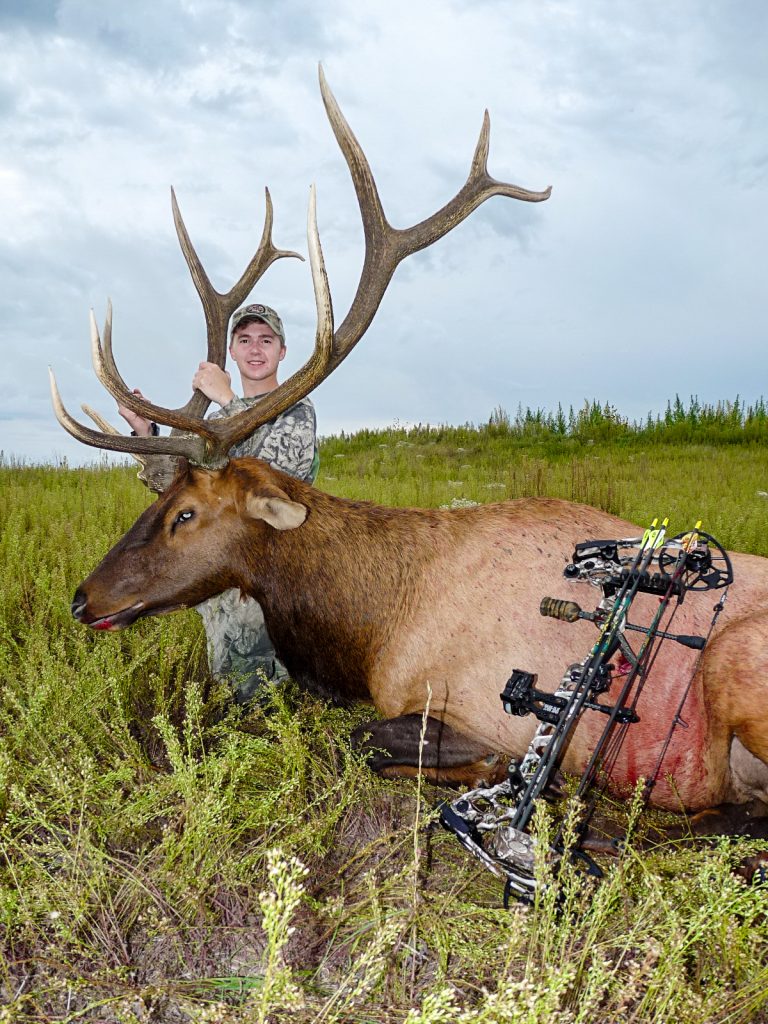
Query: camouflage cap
[[257, 311]]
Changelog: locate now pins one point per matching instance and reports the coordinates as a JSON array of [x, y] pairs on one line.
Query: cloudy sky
[[642, 276]]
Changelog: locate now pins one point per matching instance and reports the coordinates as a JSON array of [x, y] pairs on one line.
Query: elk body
[[366, 602], [405, 606]]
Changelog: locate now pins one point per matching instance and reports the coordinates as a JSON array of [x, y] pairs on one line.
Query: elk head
[[203, 444], [192, 543]]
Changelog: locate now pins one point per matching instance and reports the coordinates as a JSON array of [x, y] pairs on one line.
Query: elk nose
[[79, 602]]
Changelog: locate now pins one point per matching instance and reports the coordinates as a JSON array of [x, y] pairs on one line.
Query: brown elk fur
[[408, 607]]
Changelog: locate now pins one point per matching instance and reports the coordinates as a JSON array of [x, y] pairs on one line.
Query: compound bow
[[491, 821]]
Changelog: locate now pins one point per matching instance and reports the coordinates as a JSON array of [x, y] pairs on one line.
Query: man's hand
[[140, 425], [214, 382]]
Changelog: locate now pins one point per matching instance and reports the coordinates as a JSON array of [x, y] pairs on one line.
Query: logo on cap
[[261, 312]]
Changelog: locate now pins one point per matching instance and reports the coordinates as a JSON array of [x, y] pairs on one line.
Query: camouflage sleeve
[[230, 409]]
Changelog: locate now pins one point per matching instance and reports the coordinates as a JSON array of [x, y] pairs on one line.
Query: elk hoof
[[754, 869]]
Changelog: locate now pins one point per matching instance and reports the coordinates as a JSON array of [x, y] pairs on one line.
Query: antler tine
[[108, 355], [386, 246], [218, 307], [374, 219], [157, 471], [263, 258], [299, 385], [478, 187], [106, 372], [106, 427], [320, 286], [191, 447]]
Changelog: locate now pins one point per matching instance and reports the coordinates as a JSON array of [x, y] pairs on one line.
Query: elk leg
[[746, 820], [392, 749], [750, 820]]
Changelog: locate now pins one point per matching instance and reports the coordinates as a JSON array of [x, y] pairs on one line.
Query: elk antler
[[385, 248]]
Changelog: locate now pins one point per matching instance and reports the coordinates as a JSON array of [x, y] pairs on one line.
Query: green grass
[[139, 810]]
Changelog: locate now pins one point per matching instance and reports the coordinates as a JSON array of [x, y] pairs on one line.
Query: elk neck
[[336, 590]]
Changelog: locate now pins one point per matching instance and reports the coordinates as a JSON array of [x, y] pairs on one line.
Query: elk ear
[[276, 508]]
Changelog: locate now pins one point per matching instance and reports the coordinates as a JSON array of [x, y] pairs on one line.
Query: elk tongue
[[104, 624]]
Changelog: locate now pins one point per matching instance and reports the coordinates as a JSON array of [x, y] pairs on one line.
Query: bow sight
[[490, 822]]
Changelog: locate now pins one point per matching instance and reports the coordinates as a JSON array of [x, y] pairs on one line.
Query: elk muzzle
[[113, 620]]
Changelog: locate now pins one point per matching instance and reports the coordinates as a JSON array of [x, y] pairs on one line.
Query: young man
[[239, 648]]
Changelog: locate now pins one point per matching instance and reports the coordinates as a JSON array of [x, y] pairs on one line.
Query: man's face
[[257, 351]]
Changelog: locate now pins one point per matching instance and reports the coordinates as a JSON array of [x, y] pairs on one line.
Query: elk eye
[[184, 517]]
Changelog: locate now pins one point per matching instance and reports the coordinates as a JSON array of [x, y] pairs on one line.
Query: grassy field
[[165, 856]]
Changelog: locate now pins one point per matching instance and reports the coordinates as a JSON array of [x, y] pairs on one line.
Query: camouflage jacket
[[239, 647], [287, 442]]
